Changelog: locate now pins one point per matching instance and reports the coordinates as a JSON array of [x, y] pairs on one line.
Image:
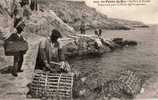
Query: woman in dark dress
[[50, 54]]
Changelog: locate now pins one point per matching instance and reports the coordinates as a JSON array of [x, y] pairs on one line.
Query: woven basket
[[126, 84], [52, 85], [11, 48], [132, 83]]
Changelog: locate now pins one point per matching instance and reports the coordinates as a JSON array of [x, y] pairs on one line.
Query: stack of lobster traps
[[52, 85]]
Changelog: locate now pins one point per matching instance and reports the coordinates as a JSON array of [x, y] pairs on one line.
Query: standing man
[[20, 10], [96, 32], [18, 56], [100, 32], [83, 27], [34, 5]]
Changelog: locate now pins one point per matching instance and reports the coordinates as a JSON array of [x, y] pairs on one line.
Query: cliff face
[[130, 24], [39, 23], [73, 12], [42, 23]]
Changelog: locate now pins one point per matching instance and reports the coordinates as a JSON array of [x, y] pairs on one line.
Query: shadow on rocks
[[6, 70]]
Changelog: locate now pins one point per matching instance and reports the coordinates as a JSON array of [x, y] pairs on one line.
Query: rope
[[57, 91], [45, 85], [71, 85]]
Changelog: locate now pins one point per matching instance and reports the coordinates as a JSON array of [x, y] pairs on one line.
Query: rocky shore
[[66, 17], [73, 12]]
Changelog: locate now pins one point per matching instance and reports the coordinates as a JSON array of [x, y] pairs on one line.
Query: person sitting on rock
[[98, 33], [50, 54]]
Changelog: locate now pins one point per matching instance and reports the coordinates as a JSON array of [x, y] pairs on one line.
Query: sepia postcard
[[78, 50]]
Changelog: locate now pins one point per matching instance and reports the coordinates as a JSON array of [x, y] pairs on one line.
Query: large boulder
[[83, 45]]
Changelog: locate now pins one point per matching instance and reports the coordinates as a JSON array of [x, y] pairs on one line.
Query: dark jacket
[[15, 37]]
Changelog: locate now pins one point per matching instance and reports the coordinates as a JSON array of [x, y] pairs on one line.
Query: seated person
[[50, 55]]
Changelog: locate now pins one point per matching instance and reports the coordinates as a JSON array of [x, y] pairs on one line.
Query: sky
[[147, 14]]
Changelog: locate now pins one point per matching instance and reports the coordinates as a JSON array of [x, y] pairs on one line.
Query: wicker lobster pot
[[52, 85], [132, 83], [126, 84]]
